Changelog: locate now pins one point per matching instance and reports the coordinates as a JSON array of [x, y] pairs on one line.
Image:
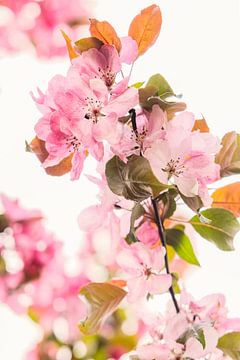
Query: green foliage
[[104, 299], [230, 345], [221, 229], [194, 203], [133, 180], [137, 212], [160, 83], [168, 199], [87, 43], [138, 85], [181, 243]]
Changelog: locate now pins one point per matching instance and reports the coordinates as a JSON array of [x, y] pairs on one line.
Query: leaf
[[161, 84], [104, 32], [137, 211], [201, 337], [228, 197], [194, 203], [222, 229], [133, 180], [201, 125], [230, 345], [145, 28], [87, 43], [175, 285], [38, 148], [104, 299], [71, 52], [137, 85], [181, 243], [229, 156], [168, 199], [148, 97]]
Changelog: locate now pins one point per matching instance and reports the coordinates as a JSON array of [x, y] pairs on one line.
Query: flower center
[[93, 109], [139, 137], [107, 76], [174, 167], [73, 143], [147, 272]]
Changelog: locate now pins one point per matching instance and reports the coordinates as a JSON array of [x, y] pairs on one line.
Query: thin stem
[[130, 73], [133, 116], [159, 224], [132, 113]]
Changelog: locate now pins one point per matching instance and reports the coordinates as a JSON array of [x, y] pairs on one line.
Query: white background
[[198, 52]]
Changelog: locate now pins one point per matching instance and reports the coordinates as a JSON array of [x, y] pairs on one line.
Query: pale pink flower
[[144, 267], [78, 116], [150, 127], [129, 50], [147, 233], [186, 158]]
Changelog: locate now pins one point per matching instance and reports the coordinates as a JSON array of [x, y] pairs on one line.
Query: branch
[[159, 224]]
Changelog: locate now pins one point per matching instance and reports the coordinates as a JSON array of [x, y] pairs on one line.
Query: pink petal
[[129, 50], [159, 284]]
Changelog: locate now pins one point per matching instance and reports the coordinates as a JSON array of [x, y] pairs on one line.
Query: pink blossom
[[129, 50], [186, 158], [147, 233], [150, 127], [102, 64], [38, 23], [78, 116], [144, 267]]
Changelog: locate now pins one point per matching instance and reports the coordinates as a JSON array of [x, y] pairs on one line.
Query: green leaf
[[87, 43], [160, 83], [229, 156], [175, 285], [137, 212], [133, 180], [104, 299], [230, 345], [181, 243], [137, 85], [194, 203], [201, 337], [148, 97], [221, 230], [168, 199]]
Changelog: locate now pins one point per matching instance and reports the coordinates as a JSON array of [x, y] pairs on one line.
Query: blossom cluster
[[38, 23], [153, 156]]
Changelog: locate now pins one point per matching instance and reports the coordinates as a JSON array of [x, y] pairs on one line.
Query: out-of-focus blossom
[[27, 23]]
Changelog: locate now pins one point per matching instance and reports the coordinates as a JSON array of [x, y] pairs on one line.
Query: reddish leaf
[[104, 32], [145, 28], [71, 52], [37, 146], [104, 299], [201, 125], [228, 197]]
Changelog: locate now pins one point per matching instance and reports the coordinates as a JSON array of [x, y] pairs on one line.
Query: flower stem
[[160, 227]]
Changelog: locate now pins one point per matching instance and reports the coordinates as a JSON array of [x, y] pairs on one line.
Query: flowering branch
[[163, 241]]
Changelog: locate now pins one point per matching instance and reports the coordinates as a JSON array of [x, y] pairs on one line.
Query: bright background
[[198, 53]]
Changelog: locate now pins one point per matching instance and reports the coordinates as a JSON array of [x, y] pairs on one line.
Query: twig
[[159, 224]]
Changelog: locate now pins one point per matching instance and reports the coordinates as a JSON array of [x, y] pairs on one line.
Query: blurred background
[[197, 52]]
